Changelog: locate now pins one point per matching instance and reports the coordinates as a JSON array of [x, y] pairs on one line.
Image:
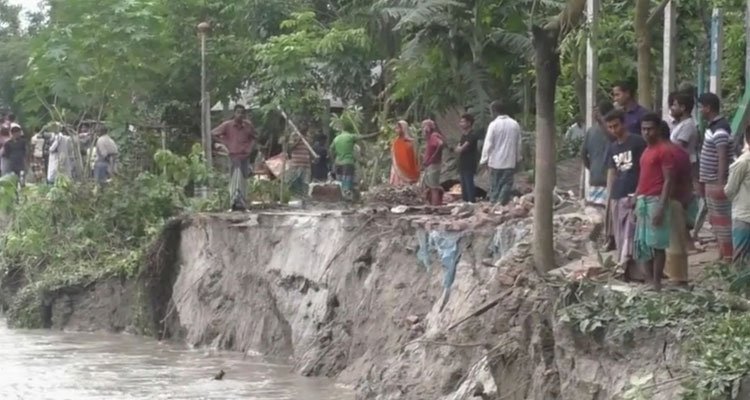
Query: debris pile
[[387, 194]]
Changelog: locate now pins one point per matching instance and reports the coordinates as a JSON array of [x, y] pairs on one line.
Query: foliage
[[295, 69], [73, 234], [477, 46], [715, 328]]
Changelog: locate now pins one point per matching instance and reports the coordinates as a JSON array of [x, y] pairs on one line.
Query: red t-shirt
[[433, 147], [653, 160], [683, 175]]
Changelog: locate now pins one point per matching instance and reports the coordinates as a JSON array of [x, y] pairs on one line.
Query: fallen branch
[[346, 244], [481, 310], [667, 382], [451, 344]]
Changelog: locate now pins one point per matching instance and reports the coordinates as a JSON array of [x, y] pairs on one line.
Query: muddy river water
[[40, 365]]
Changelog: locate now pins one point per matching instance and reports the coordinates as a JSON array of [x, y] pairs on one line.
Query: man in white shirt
[[501, 153]]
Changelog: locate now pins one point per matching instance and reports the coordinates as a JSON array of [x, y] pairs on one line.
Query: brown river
[[40, 365]]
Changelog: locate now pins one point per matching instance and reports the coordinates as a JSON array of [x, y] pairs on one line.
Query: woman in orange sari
[[405, 166]]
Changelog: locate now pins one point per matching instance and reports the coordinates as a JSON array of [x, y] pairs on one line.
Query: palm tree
[[458, 53]]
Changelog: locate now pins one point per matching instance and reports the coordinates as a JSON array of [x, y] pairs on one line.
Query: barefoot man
[[652, 205]]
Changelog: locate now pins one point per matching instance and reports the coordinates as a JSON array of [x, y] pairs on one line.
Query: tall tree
[[547, 36], [645, 20]]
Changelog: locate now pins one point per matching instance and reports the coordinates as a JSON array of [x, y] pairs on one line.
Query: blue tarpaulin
[[446, 245]]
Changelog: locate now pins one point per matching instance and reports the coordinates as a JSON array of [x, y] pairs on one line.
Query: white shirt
[[502, 145]]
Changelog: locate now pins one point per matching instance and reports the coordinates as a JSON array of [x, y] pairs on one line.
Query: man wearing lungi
[[652, 208], [682, 204], [623, 164], [716, 156]]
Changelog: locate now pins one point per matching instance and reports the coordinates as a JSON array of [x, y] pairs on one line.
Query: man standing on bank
[[468, 157], [652, 205], [238, 135], [716, 156], [623, 94], [594, 155], [502, 152], [624, 165]]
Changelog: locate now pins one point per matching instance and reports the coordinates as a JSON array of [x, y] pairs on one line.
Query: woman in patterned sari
[[405, 165]]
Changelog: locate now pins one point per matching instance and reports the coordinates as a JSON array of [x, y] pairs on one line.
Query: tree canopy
[[140, 60]]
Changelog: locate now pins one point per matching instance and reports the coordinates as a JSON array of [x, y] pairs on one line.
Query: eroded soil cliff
[[345, 295]]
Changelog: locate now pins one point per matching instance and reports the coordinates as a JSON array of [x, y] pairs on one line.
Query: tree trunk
[[547, 68], [643, 44]]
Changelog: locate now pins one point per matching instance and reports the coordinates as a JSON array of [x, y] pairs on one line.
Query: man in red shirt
[[238, 135], [652, 205]]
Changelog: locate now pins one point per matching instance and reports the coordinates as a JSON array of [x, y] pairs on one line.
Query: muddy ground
[[343, 294]]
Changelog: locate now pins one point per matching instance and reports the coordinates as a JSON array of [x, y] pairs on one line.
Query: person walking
[[404, 161], [716, 156], [623, 170], [502, 153], [468, 157], [652, 209], [238, 136], [737, 190], [623, 94]]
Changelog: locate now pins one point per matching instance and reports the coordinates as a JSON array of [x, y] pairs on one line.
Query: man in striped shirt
[[299, 166], [716, 155]]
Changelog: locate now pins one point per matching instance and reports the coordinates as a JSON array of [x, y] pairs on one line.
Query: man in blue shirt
[[623, 94]]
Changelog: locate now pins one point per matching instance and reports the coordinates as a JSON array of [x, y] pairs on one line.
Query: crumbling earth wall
[[344, 295]]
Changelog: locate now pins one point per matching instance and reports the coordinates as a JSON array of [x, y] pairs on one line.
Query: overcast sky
[[28, 5]]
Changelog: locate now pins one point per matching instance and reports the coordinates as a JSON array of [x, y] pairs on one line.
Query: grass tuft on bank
[[712, 325]]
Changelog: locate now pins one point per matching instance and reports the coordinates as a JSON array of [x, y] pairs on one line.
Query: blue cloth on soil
[[446, 245]]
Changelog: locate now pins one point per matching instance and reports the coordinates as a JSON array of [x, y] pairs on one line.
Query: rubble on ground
[[387, 194]]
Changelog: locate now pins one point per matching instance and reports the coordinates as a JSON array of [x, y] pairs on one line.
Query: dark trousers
[[501, 181], [468, 189]]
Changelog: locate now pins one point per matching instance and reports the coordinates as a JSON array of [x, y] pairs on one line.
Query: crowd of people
[[650, 176], [499, 150], [52, 153]]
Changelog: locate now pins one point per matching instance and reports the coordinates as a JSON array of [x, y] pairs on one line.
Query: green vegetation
[[138, 62], [72, 234], [713, 326]]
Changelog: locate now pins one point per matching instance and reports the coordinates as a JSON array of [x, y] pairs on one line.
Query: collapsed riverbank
[[370, 299]]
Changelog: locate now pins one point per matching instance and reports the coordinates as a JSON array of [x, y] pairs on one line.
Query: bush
[[74, 234]]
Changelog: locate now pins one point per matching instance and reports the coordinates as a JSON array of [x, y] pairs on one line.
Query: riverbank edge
[[362, 310]]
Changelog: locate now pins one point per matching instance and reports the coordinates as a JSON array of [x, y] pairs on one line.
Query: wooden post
[[670, 57], [592, 78], [592, 61], [717, 44]]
